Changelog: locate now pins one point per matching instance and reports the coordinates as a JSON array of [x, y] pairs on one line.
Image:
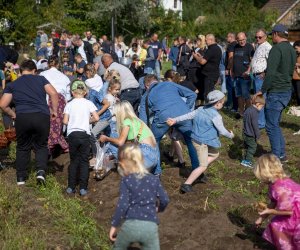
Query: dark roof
[[280, 5]]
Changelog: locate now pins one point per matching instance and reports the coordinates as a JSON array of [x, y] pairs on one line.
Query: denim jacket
[[207, 125]]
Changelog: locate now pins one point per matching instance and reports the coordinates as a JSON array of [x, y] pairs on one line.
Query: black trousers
[[296, 85], [32, 132], [133, 96], [205, 85], [79, 146]]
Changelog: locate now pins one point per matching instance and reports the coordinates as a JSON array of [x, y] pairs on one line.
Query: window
[[175, 4]]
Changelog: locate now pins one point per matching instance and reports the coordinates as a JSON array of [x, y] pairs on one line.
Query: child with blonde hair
[[141, 197], [284, 229], [77, 115]]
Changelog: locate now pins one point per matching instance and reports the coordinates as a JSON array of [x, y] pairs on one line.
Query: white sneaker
[[297, 133]]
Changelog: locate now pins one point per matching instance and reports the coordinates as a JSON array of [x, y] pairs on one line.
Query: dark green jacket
[[281, 63]]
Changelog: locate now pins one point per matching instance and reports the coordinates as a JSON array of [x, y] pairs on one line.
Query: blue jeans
[[275, 103], [133, 96], [148, 71], [113, 149], [157, 69], [151, 156], [258, 81], [231, 98], [242, 88], [223, 81], [138, 231], [174, 67], [159, 130]]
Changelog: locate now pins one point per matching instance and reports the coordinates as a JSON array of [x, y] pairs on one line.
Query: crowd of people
[[81, 91]]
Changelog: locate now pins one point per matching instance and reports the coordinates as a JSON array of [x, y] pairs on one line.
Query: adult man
[[183, 58], [150, 60], [210, 66], [278, 87], [44, 37], [130, 90], [157, 49], [84, 48], [242, 56], [165, 100], [231, 97], [259, 65], [89, 38]]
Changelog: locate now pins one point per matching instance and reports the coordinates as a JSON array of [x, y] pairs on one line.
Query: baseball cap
[[77, 84], [214, 96], [279, 28]]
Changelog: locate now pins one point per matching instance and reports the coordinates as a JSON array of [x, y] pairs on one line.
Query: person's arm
[[80, 70], [51, 91], [188, 116], [254, 123], [218, 123], [66, 119], [273, 63], [105, 106], [151, 54], [121, 209], [162, 197], [117, 141], [142, 109], [200, 59], [188, 94], [3, 83], [95, 117], [4, 105]]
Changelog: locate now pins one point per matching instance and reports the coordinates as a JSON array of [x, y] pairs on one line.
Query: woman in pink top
[[284, 229]]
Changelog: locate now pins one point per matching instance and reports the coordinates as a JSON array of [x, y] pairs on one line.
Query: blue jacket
[[165, 101], [173, 54]]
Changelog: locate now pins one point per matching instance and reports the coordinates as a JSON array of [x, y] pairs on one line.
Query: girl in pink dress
[[284, 228]]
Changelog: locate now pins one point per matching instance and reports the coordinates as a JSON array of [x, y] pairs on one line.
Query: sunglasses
[[258, 37]]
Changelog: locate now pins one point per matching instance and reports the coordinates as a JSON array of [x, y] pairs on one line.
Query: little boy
[[79, 67], [251, 130], [77, 118], [207, 125]]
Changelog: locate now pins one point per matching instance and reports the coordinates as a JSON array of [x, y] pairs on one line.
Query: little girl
[[284, 229], [141, 197]]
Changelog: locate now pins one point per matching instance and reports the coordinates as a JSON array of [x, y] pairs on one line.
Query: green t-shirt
[[134, 127]]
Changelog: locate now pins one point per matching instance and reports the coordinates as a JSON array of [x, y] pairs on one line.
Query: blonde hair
[[90, 68], [113, 83], [131, 156], [269, 168], [203, 43], [111, 74], [123, 110]]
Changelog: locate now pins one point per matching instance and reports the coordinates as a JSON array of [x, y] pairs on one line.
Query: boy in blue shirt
[[207, 125]]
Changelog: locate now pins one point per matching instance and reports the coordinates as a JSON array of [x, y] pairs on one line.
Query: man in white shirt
[[259, 66], [130, 88], [89, 38], [84, 48]]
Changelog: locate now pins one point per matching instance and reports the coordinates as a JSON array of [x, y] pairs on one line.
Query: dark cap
[[279, 28], [68, 68]]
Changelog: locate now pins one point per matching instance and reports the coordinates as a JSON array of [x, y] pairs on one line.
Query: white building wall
[[175, 5]]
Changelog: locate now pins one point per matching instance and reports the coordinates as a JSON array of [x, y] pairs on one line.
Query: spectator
[[89, 38], [296, 74], [174, 54], [242, 55], [259, 66], [150, 60], [278, 87], [183, 57], [157, 50]]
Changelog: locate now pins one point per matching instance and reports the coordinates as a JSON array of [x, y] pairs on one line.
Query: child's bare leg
[[178, 149], [198, 171]]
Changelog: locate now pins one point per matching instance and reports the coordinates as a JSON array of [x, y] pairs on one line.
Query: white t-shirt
[[82, 52], [112, 101], [58, 80], [95, 83], [79, 111]]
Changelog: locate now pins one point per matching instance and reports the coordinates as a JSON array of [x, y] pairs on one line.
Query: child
[[251, 130], [284, 229], [105, 111], [207, 125], [79, 67], [138, 202], [93, 81], [77, 117]]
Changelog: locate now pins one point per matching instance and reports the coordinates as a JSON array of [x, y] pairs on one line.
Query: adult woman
[[61, 84], [131, 128], [296, 76], [32, 118]]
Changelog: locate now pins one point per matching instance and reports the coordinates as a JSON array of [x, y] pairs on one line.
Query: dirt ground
[[217, 215]]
